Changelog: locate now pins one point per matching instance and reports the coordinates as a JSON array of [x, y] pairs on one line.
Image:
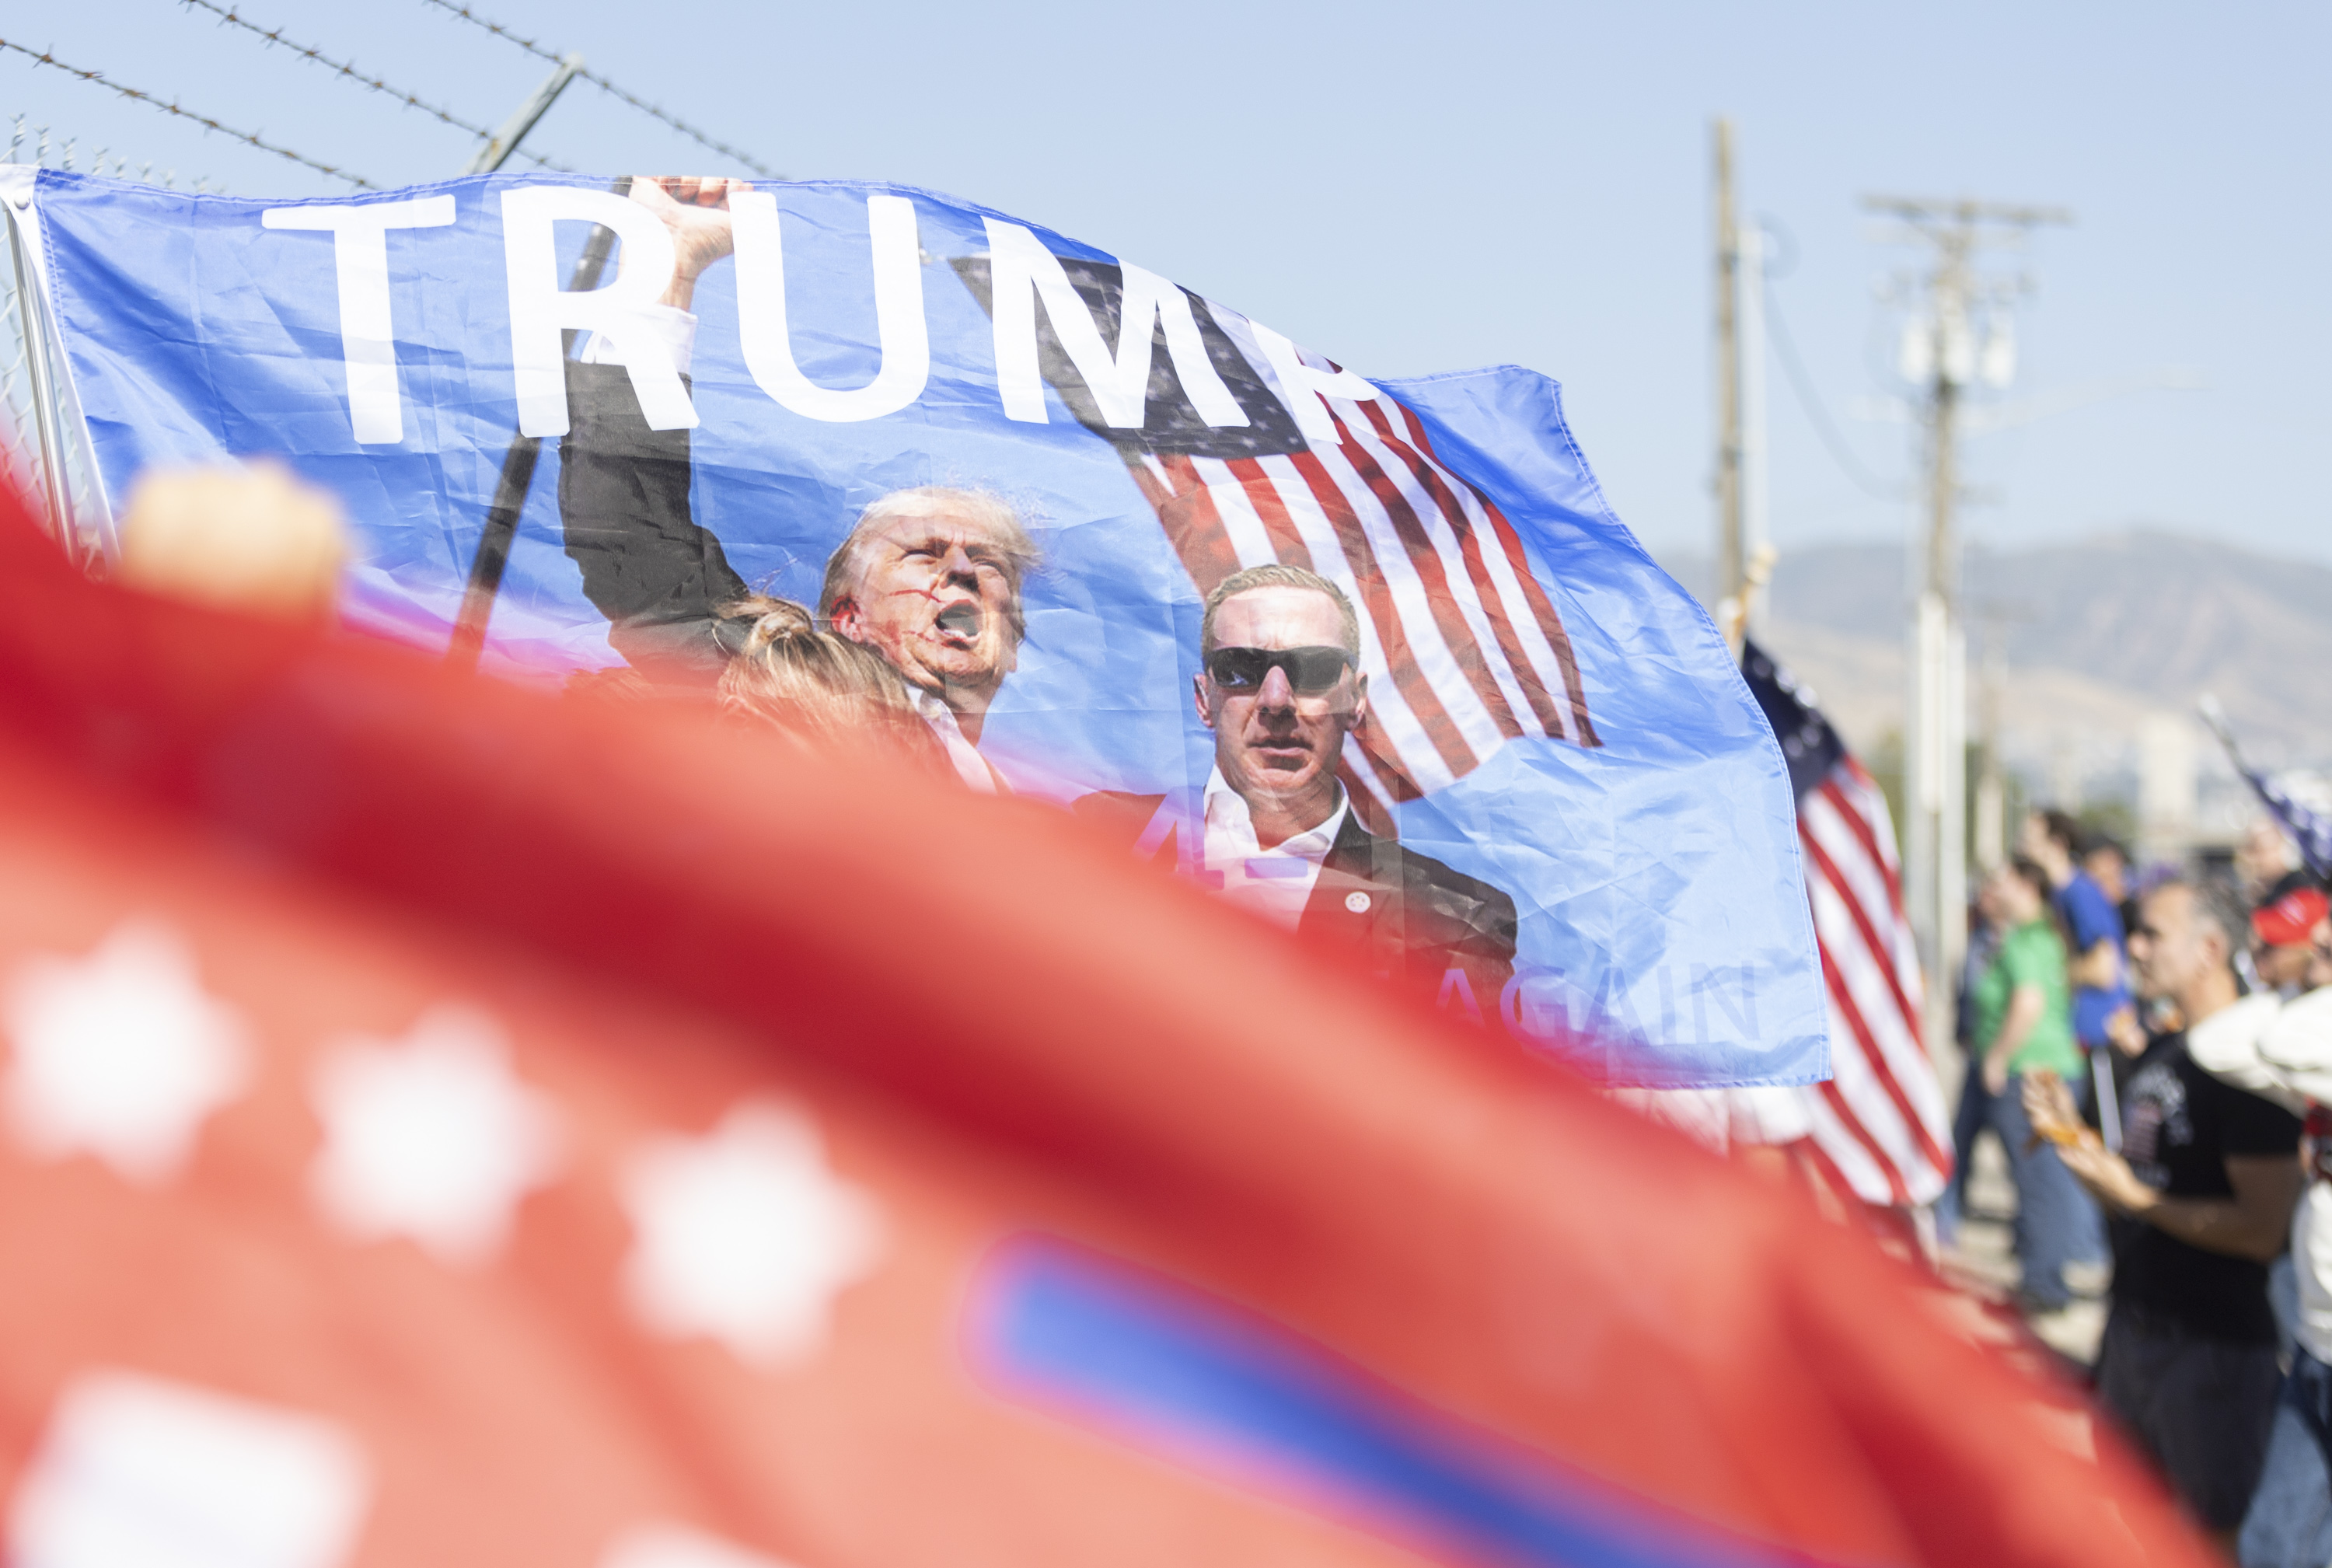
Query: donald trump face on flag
[[930, 578]]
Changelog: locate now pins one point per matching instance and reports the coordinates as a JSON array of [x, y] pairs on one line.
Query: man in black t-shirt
[[2200, 1197], [2185, 1126]]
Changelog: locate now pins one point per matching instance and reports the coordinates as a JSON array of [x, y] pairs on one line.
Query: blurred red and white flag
[[1879, 1130], [444, 1126]]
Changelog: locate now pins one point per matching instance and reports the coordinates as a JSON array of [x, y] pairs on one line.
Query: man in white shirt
[[930, 577], [2283, 1050], [1274, 829]]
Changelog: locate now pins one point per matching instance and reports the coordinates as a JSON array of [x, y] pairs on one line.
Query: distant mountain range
[[2096, 635]]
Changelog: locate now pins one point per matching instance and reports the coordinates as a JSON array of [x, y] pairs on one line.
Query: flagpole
[[517, 477], [1757, 552], [498, 149], [32, 321], [1730, 558]]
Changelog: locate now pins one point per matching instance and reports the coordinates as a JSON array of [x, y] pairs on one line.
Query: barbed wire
[[604, 85], [97, 160], [228, 15], [43, 57]]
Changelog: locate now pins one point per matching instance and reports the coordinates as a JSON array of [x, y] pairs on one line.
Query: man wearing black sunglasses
[[1274, 830]]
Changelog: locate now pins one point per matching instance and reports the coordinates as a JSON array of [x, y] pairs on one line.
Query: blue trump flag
[[1372, 659]]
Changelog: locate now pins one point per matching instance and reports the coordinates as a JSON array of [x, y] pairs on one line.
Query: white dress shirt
[[977, 772], [2311, 1257], [1275, 882]]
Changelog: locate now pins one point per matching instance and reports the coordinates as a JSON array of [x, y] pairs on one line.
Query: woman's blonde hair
[[814, 685]]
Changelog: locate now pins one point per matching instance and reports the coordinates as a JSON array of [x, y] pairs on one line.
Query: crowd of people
[[2149, 1050]]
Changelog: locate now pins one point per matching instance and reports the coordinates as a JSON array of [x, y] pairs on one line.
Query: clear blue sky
[[1412, 188]]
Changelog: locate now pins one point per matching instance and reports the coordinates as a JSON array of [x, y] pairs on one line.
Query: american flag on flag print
[[1462, 643], [1880, 1131], [1464, 648]]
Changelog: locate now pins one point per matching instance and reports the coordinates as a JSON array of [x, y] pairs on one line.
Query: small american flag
[[2311, 831], [1879, 1128], [1461, 643]]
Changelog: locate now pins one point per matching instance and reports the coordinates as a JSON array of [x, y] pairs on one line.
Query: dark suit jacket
[[1407, 915], [623, 506]]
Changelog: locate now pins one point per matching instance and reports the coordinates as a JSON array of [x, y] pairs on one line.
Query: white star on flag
[[121, 1053], [745, 1235], [135, 1470], [678, 1546], [430, 1137]]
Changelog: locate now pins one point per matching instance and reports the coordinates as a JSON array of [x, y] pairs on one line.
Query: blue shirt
[[2093, 919]]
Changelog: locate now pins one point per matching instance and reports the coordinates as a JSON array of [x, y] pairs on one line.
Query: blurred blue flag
[[1561, 801]]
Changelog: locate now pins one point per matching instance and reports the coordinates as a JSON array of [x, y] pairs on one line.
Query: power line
[[227, 16], [41, 57], [604, 85], [1803, 385]]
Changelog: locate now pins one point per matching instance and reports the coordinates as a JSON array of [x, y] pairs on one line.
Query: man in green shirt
[[2024, 1006], [2025, 1024]]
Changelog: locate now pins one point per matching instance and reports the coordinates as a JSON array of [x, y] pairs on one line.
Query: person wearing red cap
[[2284, 934]]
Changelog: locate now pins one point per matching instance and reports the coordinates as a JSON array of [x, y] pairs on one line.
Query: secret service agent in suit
[[928, 578], [1274, 830]]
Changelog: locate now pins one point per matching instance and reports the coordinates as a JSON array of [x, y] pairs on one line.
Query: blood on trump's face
[[1278, 748], [934, 595]]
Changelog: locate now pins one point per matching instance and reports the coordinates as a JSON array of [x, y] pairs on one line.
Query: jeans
[[2057, 1221], [2283, 1300], [1967, 1120], [2289, 1525]]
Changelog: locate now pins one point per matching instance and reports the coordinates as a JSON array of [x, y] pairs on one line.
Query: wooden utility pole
[[1731, 584]]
